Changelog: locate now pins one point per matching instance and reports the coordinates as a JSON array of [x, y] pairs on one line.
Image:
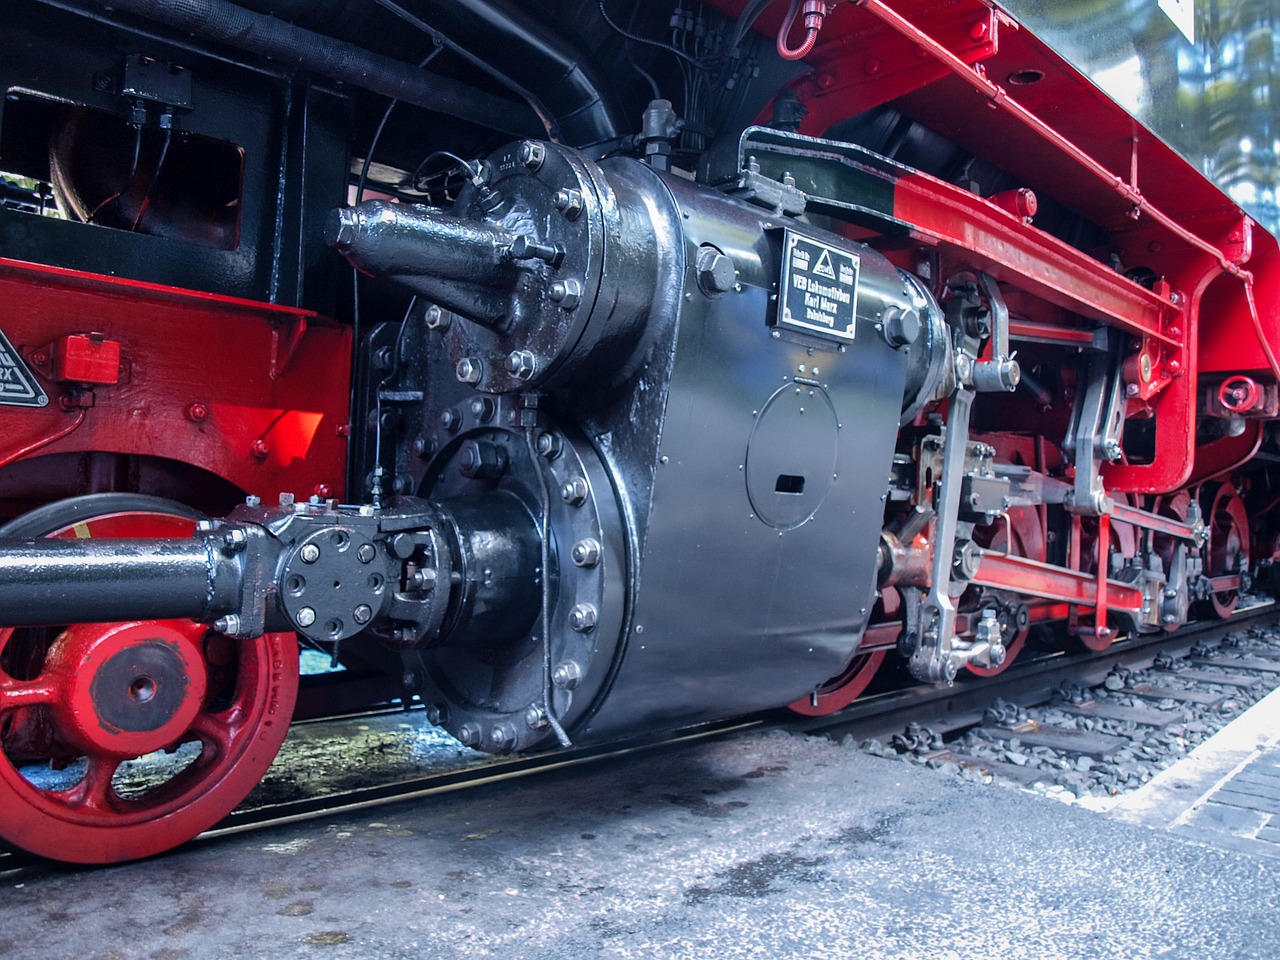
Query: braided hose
[[814, 13]]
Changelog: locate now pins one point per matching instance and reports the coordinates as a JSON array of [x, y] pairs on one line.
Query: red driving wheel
[[79, 706], [1020, 536], [840, 691], [850, 683], [1228, 551]]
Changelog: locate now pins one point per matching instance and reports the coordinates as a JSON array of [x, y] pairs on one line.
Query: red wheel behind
[[88, 700], [850, 683], [1228, 541], [838, 692], [1022, 536]]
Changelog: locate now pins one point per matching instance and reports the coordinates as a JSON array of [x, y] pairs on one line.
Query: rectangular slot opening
[[789, 483], [83, 164]]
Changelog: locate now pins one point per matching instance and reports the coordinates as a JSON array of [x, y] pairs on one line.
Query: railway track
[[931, 725]]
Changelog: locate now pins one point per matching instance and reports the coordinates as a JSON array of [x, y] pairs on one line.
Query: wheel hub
[[130, 688]]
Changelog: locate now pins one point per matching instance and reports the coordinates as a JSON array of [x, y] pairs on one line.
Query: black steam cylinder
[[700, 402], [647, 468]]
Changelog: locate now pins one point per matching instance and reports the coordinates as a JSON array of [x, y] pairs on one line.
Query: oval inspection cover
[[791, 457]]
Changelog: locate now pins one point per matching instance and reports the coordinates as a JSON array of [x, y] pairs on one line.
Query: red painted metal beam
[[255, 393], [1044, 580]]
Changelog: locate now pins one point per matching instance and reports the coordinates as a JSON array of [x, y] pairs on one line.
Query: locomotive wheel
[[849, 684], [1228, 542], [79, 705], [1123, 541], [1028, 541], [840, 691]]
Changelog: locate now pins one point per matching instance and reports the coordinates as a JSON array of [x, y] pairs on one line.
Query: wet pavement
[[762, 844]]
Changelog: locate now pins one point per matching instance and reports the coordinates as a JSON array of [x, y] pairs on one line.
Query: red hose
[[814, 12]]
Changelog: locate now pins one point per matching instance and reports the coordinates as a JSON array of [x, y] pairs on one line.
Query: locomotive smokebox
[[697, 401]]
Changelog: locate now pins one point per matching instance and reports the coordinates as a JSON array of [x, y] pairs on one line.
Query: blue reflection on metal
[[1213, 101]]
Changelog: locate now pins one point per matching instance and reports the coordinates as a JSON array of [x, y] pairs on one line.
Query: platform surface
[[1226, 793], [756, 845]]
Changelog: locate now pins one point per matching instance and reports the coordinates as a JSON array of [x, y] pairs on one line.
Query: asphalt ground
[[752, 845]]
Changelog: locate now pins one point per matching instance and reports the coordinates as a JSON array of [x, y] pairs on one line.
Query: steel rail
[[1029, 681]]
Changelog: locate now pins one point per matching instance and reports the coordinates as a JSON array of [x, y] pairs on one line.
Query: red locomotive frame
[[205, 398]]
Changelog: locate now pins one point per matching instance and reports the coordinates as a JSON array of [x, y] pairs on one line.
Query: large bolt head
[[567, 293], [469, 734], [566, 675], [362, 613], [436, 318], [481, 460], [532, 154], [306, 617], [502, 738], [574, 491], [586, 553], [716, 272], [583, 617], [550, 445], [569, 202], [901, 327], [522, 364], [310, 553], [469, 370]]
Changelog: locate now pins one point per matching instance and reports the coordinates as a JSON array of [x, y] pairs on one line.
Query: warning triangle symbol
[[823, 266], [18, 386]]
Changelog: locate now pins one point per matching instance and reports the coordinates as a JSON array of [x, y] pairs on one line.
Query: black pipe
[[52, 581], [539, 59], [462, 265], [224, 22]]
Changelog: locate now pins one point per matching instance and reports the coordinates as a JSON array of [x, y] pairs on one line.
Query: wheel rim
[[840, 691], [850, 683], [1228, 544], [209, 714], [1023, 529]]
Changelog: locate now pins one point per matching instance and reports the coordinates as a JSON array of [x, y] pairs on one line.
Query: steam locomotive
[[583, 368]]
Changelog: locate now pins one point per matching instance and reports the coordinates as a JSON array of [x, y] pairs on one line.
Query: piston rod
[[53, 581]]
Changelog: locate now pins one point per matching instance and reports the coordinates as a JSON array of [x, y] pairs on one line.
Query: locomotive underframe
[[630, 456]]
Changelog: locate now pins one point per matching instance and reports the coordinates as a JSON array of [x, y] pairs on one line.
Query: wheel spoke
[[95, 793], [15, 694], [216, 731]]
